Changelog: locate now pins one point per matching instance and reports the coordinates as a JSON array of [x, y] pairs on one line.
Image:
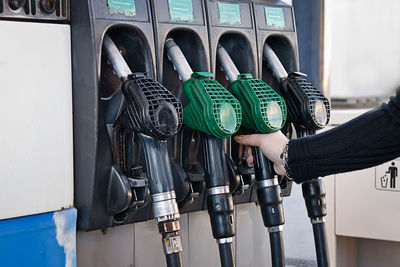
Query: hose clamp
[[165, 207], [225, 240], [163, 196], [172, 244], [168, 227], [218, 190], [318, 220], [275, 229], [268, 183]]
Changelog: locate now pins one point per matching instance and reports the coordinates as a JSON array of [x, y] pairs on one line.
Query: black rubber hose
[[226, 255], [321, 246], [174, 260], [277, 250]]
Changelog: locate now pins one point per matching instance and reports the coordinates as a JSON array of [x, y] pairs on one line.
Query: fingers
[[251, 140], [279, 169]]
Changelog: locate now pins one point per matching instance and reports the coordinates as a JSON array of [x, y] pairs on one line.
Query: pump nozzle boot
[[155, 115], [263, 111], [308, 110], [214, 112]]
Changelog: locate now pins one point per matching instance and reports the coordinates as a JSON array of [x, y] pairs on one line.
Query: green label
[[125, 7], [181, 10], [229, 14], [275, 17]]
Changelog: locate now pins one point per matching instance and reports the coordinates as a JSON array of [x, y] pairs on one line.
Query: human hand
[[270, 144]]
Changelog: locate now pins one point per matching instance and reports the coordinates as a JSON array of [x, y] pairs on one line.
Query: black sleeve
[[368, 140]]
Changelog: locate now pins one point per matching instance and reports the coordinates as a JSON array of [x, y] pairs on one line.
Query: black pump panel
[[286, 53], [188, 28], [231, 23], [195, 53], [192, 25], [275, 25], [97, 101], [279, 34]]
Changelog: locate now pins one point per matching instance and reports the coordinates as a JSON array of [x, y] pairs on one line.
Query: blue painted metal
[[45, 240]]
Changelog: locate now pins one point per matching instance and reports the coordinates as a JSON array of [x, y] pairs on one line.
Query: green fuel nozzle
[[212, 109], [264, 110]]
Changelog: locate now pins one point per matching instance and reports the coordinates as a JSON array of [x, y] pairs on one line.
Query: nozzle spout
[[178, 59], [274, 63], [114, 56], [228, 67]]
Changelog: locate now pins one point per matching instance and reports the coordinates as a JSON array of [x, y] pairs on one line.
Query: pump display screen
[[125, 7], [275, 17], [229, 14], [181, 10]]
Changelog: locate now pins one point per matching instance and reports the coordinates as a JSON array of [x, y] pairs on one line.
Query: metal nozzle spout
[[228, 67], [274, 63], [114, 56], [178, 59]]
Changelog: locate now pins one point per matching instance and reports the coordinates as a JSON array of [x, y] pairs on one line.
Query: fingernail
[[238, 138]]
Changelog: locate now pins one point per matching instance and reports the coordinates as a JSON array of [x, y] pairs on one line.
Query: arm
[[368, 140]]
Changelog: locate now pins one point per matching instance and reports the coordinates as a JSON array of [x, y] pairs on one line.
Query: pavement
[[298, 235]]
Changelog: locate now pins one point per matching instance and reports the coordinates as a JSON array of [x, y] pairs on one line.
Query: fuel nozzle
[[214, 112], [264, 111], [308, 110], [154, 114]]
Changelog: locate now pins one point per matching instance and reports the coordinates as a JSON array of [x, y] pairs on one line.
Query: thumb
[[251, 140]]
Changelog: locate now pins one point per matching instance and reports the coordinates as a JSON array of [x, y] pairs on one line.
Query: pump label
[[125, 7], [181, 10], [229, 14], [275, 17], [387, 176]]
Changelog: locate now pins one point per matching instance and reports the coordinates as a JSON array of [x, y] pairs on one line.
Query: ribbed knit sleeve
[[368, 140]]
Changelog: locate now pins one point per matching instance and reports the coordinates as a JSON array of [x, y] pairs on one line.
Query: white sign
[[387, 176]]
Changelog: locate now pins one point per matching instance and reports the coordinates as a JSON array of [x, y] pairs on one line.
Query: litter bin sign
[[387, 176]]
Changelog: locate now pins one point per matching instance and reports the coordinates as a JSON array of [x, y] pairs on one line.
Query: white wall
[[362, 47]]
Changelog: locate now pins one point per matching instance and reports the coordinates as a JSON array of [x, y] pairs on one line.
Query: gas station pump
[[214, 112], [111, 188], [155, 115], [264, 111], [231, 24], [308, 111], [185, 22]]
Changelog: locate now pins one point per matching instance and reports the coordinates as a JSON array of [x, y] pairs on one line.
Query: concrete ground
[[298, 235]]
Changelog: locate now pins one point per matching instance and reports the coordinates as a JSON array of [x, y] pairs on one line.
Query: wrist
[[284, 157]]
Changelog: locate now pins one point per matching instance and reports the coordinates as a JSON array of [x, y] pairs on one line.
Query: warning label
[[387, 176]]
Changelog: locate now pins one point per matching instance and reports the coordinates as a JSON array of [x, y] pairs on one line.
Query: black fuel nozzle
[[308, 108], [154, 114], [151, 109], [308, 111]]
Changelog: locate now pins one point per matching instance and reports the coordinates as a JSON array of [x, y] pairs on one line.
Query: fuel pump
[[214, 112], [308, 111], [264, 111], [154, 114]]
